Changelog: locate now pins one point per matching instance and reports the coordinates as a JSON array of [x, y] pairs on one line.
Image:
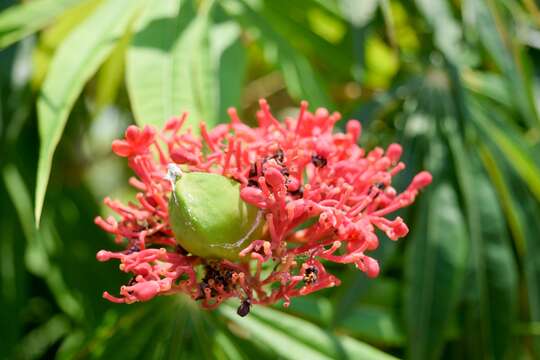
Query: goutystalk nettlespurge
[[254, 213]]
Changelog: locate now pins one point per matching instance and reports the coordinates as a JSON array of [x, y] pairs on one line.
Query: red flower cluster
[[322, 196]]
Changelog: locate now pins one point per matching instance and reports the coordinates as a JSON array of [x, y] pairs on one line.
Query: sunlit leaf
[[358, 13], [22, 20], [169, 68], [110, 77], [74, 63]]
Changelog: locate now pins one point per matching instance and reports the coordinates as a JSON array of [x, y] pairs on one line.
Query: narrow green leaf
[[37, 342], [499, 292], [169, 68], [313, 308], [22, 20], [510, 143], [383, 102], [495, 34], [14, 279], [491, 267], [38, 249], [77, 59], [447, 30], [434, 270], [20, 197], [263, 321], [491, 300], [280, 342], [523, 213], [226, 346], [488, 84]]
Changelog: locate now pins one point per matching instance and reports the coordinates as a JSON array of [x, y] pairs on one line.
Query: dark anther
[[132, 281], [318, 160], [284, 171], [253, 183], [201, 295], [133, 249], [217, 276], [244, 308], [379, 186], [252, 171], [310, 274], [298, 192], [279, 156]]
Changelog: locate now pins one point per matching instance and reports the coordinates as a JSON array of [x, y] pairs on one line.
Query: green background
[[455, 81]]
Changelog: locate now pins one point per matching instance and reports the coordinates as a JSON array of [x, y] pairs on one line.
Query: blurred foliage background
[[455, 81]]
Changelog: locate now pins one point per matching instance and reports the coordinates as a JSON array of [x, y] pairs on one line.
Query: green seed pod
[[209, 219]]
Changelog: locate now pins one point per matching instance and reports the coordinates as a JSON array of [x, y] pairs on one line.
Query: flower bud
[[208, 217]]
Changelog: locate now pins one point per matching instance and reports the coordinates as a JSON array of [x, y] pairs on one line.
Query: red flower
[[297, 173]]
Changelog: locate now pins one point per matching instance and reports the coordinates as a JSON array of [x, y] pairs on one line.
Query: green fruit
[[209, 219]]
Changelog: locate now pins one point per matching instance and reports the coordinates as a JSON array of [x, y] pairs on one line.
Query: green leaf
[[498, 298], [293, 338], [14, 279], [301, 79], [313, 308], [510, 143], [447, 30], [359, 13], [139, 331], [305, 32], [489, 85], [492, 299], [169, 66], [523, 214], [374, 324], [39, 341], [22, 20], [434, 270], [280, 342], [77, 59], [494, 31], [110, 77], [229, 58], [39, 244]]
